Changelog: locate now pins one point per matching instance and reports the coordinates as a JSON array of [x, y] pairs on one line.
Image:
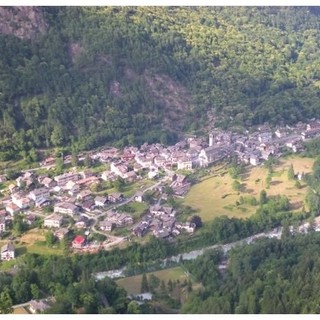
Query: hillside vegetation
[[87, 76]]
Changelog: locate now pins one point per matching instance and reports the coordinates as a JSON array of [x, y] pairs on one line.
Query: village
[[75, 205]]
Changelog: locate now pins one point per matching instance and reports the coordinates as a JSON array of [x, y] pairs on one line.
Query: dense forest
[[270, 276], [86, 76]]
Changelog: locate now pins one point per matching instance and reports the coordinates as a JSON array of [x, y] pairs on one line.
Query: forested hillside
[[86, 76], [270, 276]]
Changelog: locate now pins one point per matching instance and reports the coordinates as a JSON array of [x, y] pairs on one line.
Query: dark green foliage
[[269, 276], [291, 172], [196, 220], [90, 78], [144, 284], [5, 302], [263, 197]]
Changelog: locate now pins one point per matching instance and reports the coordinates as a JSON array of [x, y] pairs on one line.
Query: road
[[274, 233]]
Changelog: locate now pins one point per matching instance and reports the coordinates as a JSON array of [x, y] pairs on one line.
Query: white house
[[184, 164], [7, 251], [66, 207], [53, 221], [38, 194]]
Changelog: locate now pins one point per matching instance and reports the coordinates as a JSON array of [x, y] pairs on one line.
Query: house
[[100, 201], [152, 174], [107, 175], [2, 224], [280, 132], [66, 207], [156, 210], [49, 183], [212, 154], [137, 167], [115, 197], [48, 161], [84, 195], [254, 160], [71, 184], [29, 219], [138, 197], [7, 251], [313, 125], [264, 137], [38, 306], [12, 208], [185, 164], [189, 227], [24, 181], [12, 188], [80, 224], [141, 229], [161, 233], [127, 156], [87, 174], [106, 225], [88, 205], [53, 221], [74, 190], [63, 179], [131, 176], [159, 161], [123, 219], [146, 296], [143, 161], [78, 242], [61, 233], [21, 201], [38, 194], [119, 169], [181, 179]]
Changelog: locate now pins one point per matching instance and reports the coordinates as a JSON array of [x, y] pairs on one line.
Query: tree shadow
[[20, 251], [275, 183]]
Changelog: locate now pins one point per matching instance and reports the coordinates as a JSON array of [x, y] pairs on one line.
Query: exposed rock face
[[23, 22], [174, 97]]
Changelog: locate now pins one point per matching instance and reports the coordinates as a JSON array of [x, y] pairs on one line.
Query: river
[[274, 233]]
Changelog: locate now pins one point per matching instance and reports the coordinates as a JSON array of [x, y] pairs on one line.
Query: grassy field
[[20, 310], [133, 284], [33, 241], [214, 196]]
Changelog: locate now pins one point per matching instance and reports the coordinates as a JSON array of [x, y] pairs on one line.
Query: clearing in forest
[[214, 195], [133, 284]]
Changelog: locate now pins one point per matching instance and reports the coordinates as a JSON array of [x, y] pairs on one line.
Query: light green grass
[[214, 195], [133, 284], [139, 207], [7, 265], [44, 250]]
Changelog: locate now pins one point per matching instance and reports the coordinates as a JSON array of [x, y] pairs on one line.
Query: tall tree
[[144, 284], [263, 199], [291, 172], [5, 302]]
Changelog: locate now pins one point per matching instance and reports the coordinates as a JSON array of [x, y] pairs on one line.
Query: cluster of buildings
[[256, 147], [161, 221], [70, 193]]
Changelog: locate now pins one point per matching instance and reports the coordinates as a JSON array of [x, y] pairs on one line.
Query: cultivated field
[[133, 284], [214, 196]]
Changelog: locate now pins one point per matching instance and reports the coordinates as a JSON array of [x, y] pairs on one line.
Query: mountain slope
[[85, 76]]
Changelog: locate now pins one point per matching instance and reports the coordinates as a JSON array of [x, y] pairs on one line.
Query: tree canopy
[[133, 74]]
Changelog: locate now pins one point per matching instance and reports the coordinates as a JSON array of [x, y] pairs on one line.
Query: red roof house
[[78, 242]]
